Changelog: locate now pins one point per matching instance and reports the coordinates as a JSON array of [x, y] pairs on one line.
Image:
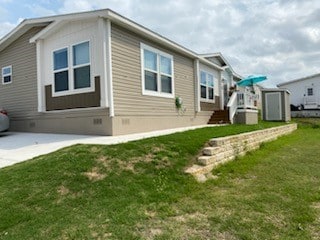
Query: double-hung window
[[6, 75], [157, 72], [71, 67], [207, 86]]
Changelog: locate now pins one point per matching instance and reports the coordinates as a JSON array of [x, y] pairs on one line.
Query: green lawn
[[139, 190]]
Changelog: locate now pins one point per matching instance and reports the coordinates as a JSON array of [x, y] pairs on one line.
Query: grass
[[138, 190]]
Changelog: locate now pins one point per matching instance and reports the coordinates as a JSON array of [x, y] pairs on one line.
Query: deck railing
[[247, 100], [241, 100]]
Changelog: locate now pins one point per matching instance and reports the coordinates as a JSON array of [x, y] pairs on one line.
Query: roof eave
[[53, 21]]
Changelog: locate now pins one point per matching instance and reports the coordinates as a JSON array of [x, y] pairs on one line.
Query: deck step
[[219, 117]]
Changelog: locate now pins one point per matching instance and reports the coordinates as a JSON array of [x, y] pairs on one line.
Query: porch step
[[219, 117]]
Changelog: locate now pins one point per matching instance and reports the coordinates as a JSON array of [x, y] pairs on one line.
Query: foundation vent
[[125, 121], [97, 121], [32, 124]]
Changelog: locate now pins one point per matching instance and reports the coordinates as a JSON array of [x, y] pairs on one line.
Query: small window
[[157, 72], [310, 91], [7, 75], [207, 86]]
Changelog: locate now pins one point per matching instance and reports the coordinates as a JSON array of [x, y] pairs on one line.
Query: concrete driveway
[[17, 147]]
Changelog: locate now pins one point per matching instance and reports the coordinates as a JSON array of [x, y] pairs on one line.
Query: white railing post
[[233, 105]]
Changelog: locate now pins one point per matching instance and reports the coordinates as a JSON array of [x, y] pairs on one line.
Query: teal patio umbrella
[[250, 80]]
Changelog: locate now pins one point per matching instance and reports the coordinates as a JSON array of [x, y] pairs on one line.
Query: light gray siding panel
[[127, 82], [19, 98]]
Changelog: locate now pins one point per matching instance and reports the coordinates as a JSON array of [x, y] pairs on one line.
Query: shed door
[[273, 106]]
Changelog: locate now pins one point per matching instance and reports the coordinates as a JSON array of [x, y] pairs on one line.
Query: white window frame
[[72, 90], [6, 75], [159, 53], [207, 87]]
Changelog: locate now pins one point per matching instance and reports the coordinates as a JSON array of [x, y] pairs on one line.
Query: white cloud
[[39, 10], [6, 27], [279, 38]]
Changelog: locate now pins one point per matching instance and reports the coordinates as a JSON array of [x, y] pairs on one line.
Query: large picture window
[[72, 75], [7, 75], [157, 72], [206, 86]]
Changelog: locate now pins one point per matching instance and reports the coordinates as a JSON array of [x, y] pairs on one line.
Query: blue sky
[[278, 38]]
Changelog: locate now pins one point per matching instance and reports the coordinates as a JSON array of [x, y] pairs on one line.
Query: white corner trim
[[103, 36], [109, 70], [40, 90], [197, 83]]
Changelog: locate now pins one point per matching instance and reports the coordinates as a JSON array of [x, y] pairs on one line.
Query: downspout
[[197, 85], [109, 70]]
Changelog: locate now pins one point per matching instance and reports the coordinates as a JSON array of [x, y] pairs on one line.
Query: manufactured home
[[305, 92], [100, 73]]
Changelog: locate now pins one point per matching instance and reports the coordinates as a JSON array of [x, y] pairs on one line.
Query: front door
[[273, 106], [309, 96]]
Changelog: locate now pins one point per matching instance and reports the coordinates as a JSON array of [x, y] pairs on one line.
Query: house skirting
[[88, 122], [306, 113], [246, 116], [136, 124], [97, 122]]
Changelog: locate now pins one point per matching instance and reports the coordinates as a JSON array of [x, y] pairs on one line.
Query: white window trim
[[70, 69], [207, 87], [159, 53], [6, 75]]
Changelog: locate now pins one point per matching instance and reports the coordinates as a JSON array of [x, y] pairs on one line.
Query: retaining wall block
[[210, 151]]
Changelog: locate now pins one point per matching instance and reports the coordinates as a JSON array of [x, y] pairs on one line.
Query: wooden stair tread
[[219, 117]]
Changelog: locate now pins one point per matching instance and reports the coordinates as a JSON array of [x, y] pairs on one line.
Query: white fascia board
[[46, 31], [299, 79], [219, 54], [135, 27], [210, 64]]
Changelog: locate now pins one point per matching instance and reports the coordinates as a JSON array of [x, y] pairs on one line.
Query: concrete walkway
[[17, 147]]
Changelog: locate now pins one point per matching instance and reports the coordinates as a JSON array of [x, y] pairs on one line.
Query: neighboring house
[[100, 73], [305, 92]]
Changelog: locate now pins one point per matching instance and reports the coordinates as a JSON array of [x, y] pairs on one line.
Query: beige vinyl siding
[[127, 80], [19, 97]]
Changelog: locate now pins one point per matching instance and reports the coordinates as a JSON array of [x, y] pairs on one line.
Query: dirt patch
[[225, 236], [276, 220], [95, 175], [185, 226], [63, 191], [314, 228]]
